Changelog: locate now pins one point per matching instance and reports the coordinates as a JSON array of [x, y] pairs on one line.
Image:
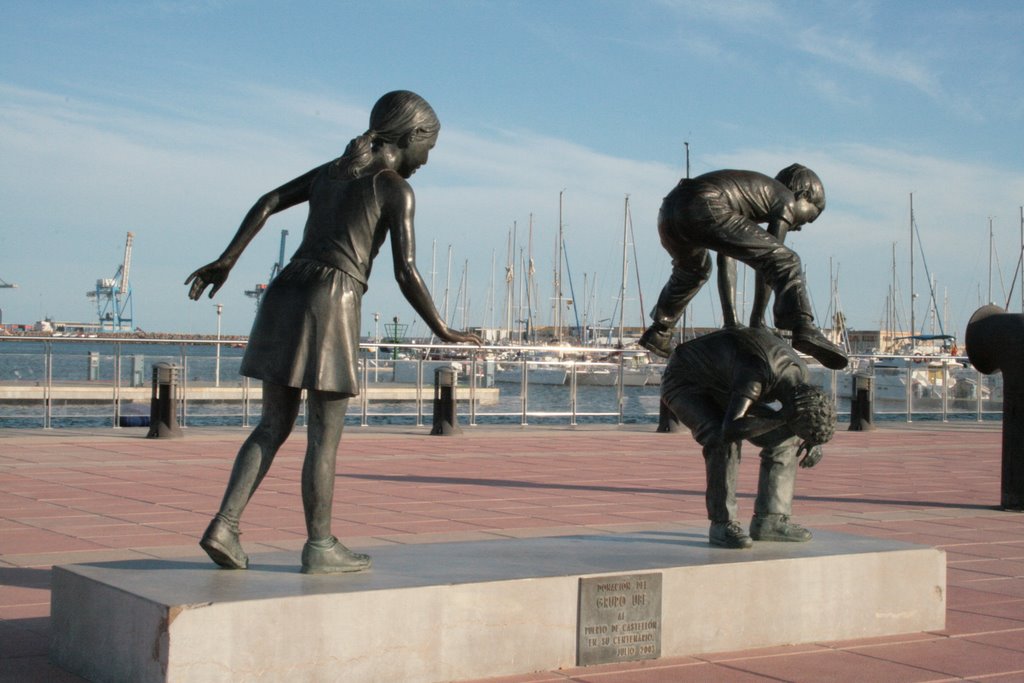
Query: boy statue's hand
[[812, 454]]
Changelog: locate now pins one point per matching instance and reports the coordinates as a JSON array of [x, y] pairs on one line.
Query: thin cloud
[[832, 91], [865, 57]]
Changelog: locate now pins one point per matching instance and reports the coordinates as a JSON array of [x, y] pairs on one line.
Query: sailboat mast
[[531, 286], [558, 272], [433, 270], [912, 294], [510, 277], [892, 300], [464, 293], [490, 293], [625, 262], [990, 259], [524, 288], [636, 269], [447, 285]]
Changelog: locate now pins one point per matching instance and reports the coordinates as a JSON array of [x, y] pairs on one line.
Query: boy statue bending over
[[722, 386]]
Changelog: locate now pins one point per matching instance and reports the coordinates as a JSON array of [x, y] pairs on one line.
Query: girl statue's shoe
[[331, 557], [221, 543]]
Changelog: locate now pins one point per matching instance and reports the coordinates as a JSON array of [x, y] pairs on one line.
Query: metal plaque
[[619, 619]]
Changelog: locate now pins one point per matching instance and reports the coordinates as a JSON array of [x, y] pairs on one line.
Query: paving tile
[[1009, 609], [833, 665], [538, 677], [1011, 550], [894, 639], [11, 595], [961, 623], [1012, 677], [680, 673], [36, 610], [1011, 568], [759, 653], [952, 656], [962, 597], [1009, 639], [39, 540]]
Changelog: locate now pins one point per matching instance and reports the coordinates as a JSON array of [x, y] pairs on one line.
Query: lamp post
[[216, 370], [376, 348]]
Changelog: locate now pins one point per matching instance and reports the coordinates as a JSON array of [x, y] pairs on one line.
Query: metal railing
[[72, 381]]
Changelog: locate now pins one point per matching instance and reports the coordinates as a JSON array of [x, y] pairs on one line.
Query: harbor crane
[[5, 285], [113, 296], [261, 287]]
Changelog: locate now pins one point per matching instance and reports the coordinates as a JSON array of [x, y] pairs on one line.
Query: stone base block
[[451, 611]]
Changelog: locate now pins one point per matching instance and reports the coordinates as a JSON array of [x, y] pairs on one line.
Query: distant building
[[898, 342]]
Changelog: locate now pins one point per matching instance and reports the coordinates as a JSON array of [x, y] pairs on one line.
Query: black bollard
[[163, 406], [995, 343], [446, 421], [861, 410]]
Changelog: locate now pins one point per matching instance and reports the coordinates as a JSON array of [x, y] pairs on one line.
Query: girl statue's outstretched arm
[[398, 209], [216, 273]]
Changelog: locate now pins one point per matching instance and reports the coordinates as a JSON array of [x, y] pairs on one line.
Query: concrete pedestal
[[450, 611]]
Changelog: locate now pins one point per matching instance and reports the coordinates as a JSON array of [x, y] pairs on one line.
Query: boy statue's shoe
[[331, 557], [809, 339], [777, 528], [221, 543], [657, 340], [729, 535]]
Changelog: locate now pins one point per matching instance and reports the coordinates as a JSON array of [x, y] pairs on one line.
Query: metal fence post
[[117, 385], [364, 398], [472, 390], [48, 385], [573, 397], [524, 390]]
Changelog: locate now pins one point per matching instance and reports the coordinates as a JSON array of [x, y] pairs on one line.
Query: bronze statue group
[[739, 383]]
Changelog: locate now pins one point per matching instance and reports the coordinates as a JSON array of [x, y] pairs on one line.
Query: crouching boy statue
[[723, 386]]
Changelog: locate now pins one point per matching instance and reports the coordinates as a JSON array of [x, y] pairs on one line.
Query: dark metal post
[[861, 408], [446, 421], [163, 407], [995, 343]]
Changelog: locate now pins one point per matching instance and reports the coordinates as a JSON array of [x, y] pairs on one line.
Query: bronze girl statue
[[306, 332]]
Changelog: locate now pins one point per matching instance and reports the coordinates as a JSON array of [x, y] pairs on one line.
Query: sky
[[170, 118]]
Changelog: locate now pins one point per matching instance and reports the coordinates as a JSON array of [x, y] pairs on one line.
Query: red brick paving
[[92, 495]]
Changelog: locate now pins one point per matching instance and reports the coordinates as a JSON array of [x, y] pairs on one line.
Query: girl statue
[[306, 332]]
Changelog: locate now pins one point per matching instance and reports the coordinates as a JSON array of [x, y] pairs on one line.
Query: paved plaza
[[72, 495]]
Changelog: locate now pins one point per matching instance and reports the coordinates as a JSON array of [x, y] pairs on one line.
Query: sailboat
[[915, 369], [611, 371], [528, 364]]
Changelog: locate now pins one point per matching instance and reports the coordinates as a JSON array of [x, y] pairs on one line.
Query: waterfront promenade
[[71, 495]]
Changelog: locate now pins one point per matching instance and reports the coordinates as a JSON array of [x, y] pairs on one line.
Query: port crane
[[5, 285], [261, 287], [113, 296]]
